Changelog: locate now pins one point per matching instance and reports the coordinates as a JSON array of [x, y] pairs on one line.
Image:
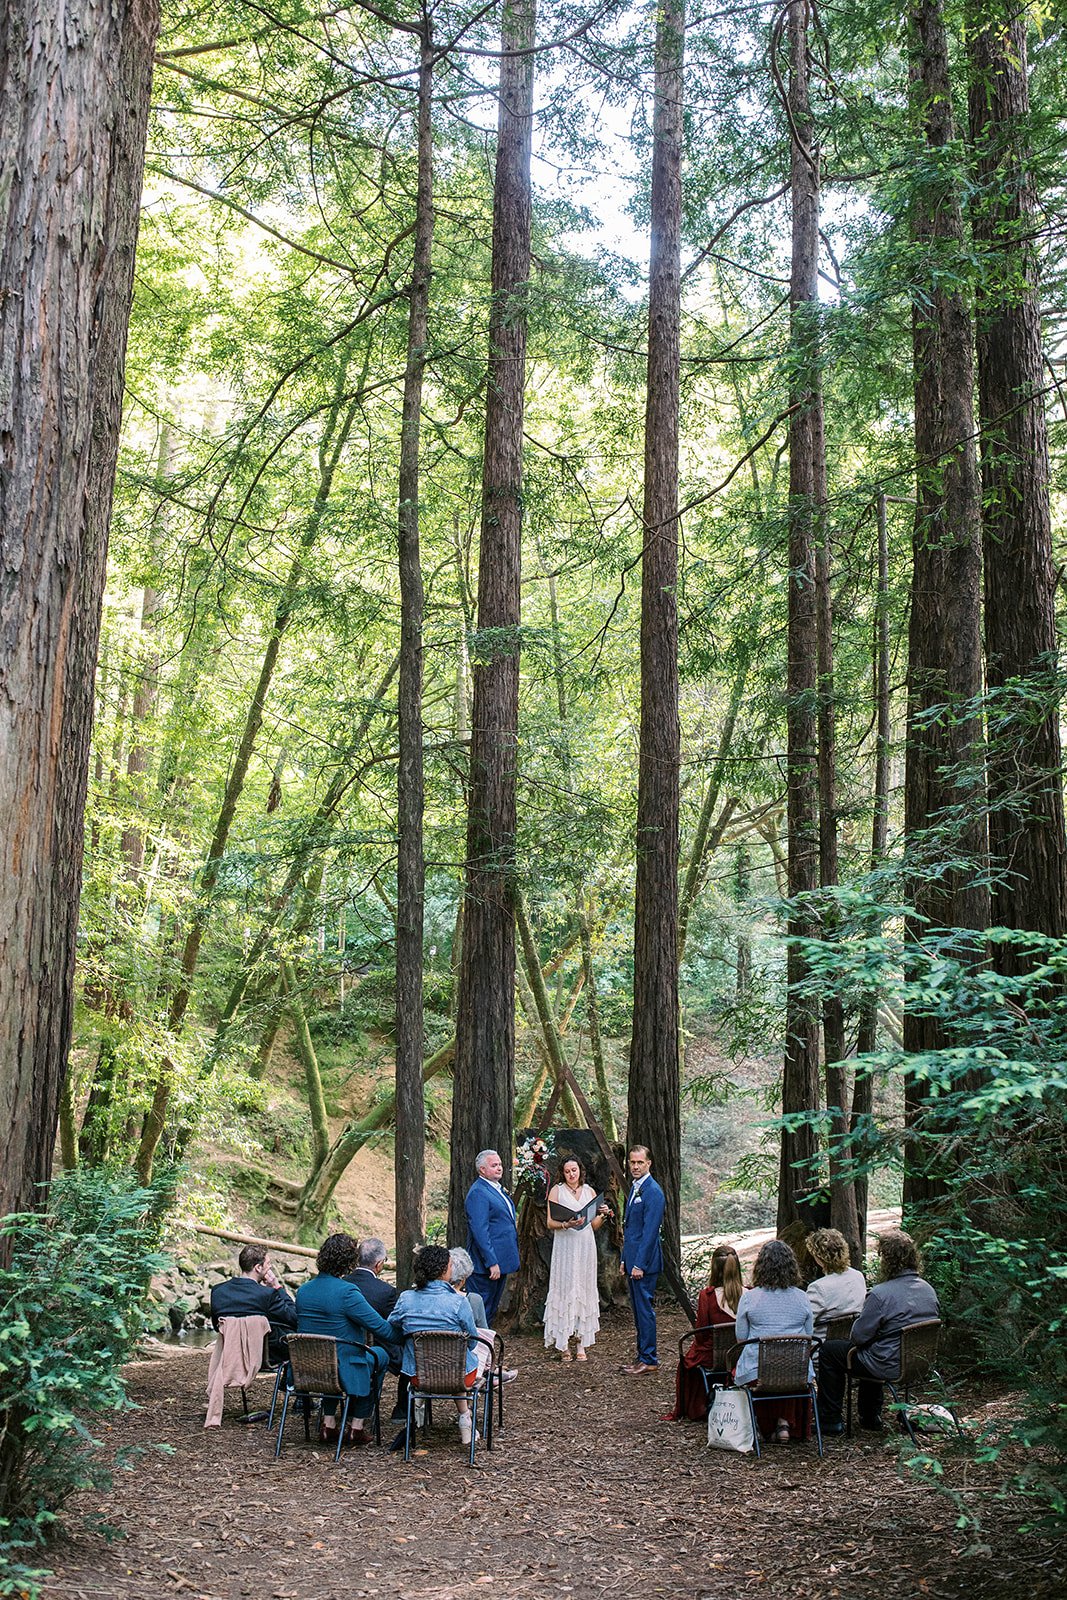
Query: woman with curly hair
[[774, 1305], [328, 1305], [717, 1305], [900, 1297], [840, 1290], [434, 1307]]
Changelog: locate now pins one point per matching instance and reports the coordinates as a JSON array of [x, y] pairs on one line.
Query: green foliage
[[993, 1134], [71, 1310]]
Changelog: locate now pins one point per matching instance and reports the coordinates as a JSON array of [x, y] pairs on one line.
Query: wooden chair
[[441, 1374], [723, 1338], [915, 1364], [782, 1374], [313, 1374]]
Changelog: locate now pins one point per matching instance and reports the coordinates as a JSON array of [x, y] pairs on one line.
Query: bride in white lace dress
[[572, 1310]]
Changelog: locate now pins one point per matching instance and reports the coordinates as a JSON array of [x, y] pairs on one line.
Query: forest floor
[[586, 1492]]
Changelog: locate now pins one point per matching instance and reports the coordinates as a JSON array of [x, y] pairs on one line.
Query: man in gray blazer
[[902, 1297]]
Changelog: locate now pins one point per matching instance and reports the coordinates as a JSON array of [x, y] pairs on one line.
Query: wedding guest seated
[[841, 1290], [900, 1297], [367, 1277], [257, 1293], [717, 1304], [330, 1305], [774, 1305], [462, 1267], [433, 1306]]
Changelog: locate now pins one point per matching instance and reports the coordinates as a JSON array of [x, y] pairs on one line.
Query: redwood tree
[[484, 1073], [410, 1146], [74, 93], [653, 1109], [807, 497], [943, 788], [1026, 831]]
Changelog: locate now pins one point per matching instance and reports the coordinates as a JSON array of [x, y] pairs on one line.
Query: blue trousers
[[490, 1290], [641, 1293]]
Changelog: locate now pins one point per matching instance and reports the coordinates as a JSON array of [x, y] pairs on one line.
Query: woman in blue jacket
[[327, 1305], [434, 1307]]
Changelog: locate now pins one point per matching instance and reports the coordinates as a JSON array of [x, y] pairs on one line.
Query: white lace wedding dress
[[573, 1304]]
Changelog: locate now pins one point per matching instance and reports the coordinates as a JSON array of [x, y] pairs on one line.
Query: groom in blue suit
[[493, 1237], [642, 1257]]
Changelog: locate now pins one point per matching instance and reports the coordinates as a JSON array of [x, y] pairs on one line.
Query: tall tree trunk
[[843, 1204], [867, 1030], [410, 1146], [335, 438], [1026, 830], [483, 1099], [653, 1100], [943, 787], [73, 112], [800, 1075]]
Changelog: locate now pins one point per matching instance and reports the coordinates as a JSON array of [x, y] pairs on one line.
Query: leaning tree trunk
[[410, 1145], [653, 1100], [800, 1075], [1026, 836], [73, 112], [943, 784], [484, 1088]]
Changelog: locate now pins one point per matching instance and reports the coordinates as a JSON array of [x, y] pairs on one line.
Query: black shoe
[[400, 1442], [830, 1430], [871, 1424]]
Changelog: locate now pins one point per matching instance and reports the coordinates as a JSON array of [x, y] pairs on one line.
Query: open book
[[587, 1213]]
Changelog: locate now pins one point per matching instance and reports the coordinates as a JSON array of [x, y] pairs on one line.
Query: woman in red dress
[[717, 1304]]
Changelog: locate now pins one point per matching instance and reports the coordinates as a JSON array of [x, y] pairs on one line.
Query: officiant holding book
[[572, 1311]]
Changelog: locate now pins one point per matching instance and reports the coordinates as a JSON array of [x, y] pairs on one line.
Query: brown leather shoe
[[639, 1368]]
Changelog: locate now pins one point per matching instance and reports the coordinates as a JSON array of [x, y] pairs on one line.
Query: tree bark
[[1026, 826], [410, 1144], [867, 1030], [944, 783], [807, 494], [653, 1100], [74, 93], [484, 1087]]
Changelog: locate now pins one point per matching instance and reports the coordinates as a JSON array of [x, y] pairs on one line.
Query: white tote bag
[[730, 1421]]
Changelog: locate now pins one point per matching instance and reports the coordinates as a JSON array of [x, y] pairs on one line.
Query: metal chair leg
[[755, 1424], [281, 1425], [815, 1413], [409, 1424], [341, 1430], [274, 1396]]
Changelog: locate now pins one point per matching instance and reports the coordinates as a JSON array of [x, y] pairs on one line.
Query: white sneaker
[[420, 1413], [464, 1422]]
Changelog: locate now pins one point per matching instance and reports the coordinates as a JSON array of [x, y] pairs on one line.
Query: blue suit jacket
[[492, 1239], [330, 1305], [640, 1228]]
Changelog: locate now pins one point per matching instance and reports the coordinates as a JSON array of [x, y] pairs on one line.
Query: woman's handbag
[[730, 1420]]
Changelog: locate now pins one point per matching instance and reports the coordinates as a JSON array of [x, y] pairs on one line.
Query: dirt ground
[[585, 1493]]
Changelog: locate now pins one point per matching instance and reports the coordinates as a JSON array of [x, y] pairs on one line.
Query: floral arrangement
[[533, 1157]]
